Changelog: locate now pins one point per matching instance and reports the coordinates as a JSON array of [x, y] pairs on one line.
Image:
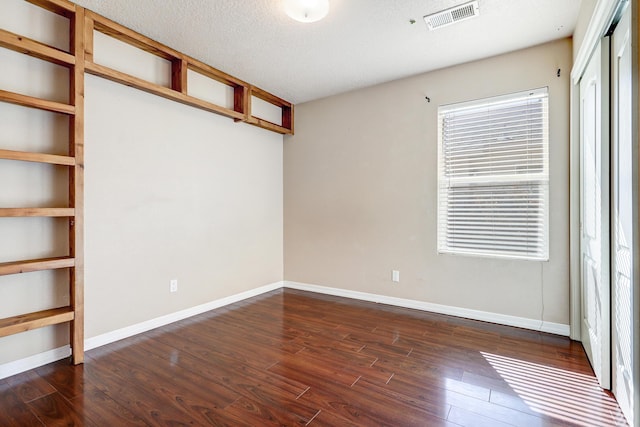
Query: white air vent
[[452, 15]]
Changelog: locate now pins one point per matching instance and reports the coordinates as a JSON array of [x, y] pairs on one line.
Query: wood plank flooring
[[291, 358]]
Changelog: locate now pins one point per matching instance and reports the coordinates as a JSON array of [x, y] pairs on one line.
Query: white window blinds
[[493, 176]]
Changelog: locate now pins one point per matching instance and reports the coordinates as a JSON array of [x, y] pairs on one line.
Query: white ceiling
[[360, 42]]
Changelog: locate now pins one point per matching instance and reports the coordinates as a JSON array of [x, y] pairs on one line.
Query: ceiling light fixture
[[306, 10]]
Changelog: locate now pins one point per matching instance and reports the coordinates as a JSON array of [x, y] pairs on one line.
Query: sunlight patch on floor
[[558, 393]]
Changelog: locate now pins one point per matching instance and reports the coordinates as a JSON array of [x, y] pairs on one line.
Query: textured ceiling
[[360, 42]]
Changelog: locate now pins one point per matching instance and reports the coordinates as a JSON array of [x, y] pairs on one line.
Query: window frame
[[539, 180]]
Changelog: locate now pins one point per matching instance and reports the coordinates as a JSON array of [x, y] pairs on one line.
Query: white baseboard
[[520, 322], [35, 361], [31, 362], [147, 325]]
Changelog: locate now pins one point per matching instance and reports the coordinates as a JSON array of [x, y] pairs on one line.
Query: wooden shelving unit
[[286, 107], [79, 59], [180, 65], [73, 161]]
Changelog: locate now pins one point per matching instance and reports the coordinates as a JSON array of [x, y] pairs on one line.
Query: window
[[493, 177]]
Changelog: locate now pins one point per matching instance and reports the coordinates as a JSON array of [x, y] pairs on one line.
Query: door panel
[[622, 203], [594, 221]]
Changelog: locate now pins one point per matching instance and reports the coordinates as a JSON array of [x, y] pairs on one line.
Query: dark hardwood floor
[[296, 358]]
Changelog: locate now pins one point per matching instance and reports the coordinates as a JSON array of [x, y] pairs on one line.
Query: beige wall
[[360, 191], [171, 192]]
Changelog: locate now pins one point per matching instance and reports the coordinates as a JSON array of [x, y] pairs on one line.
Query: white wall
[[360, 191], [171, 192], [174, 192]]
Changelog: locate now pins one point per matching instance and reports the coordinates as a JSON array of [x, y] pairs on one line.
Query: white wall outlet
[[395, 275], [173, 285]]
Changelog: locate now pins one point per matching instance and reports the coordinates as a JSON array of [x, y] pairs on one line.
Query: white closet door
[[594, 221], [622, 224]]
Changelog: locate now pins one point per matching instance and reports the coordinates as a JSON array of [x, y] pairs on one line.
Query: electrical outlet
[[395, 275], [173, 285]]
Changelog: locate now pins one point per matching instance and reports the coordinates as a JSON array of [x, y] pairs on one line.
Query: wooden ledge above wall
[[180, 66]]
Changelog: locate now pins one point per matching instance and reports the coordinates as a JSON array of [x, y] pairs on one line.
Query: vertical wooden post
[[179, 72], [76, 186], [88, 38], [287, 117], [242, 101]]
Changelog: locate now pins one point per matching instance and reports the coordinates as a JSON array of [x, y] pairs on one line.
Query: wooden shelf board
[[59, 7], [124, 34], [42, 104], [213, 73], [33, 212], [165, 92], [17, 267], [265, 124], [26, 322], [26, 156], [270, 98], [36, 49]]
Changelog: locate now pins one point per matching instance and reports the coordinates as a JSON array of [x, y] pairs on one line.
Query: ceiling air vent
[[452, 15]]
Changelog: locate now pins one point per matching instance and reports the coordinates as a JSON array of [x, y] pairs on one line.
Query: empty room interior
[[319, 212]]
